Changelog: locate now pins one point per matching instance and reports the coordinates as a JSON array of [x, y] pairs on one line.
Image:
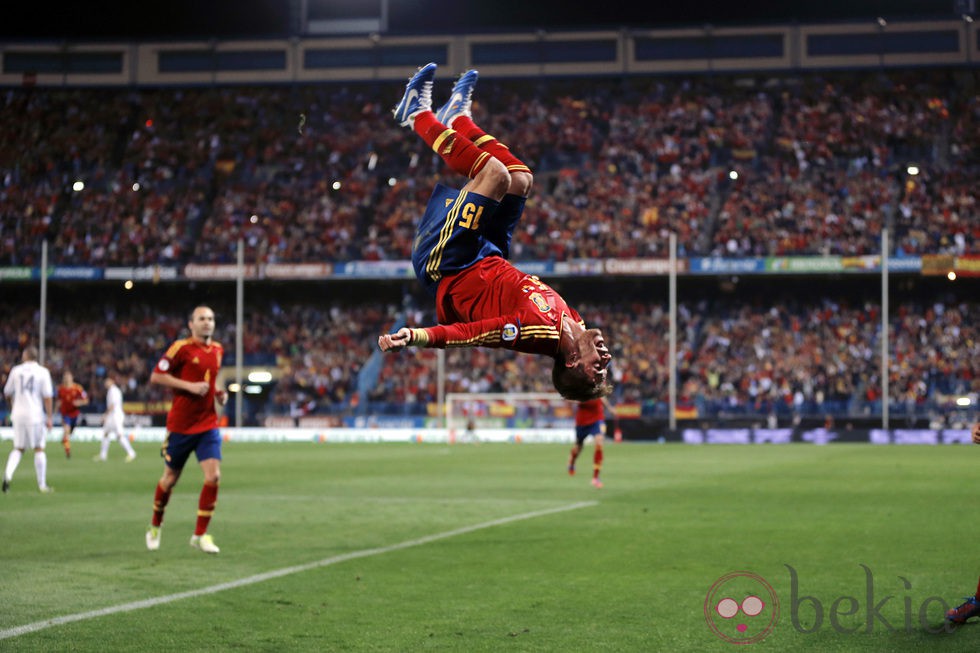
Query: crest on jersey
[[540, 302], [164, 365], [509, 333]]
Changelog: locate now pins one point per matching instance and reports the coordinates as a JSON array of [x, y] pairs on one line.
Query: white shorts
[[113, 426], [29, 436]]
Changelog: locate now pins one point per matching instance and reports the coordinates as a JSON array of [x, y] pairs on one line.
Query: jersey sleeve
[[170, 360], [501, 332], [47, 386]]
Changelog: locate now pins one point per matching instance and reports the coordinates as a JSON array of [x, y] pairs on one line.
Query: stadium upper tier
[[805, 164]]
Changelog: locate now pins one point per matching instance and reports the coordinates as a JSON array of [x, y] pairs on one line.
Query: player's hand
[[221, 396], [199, 388], [975, 433], [395, 341]]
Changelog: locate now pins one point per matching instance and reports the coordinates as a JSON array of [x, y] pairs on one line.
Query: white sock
[[124, 441], [41, 468], [12, 461], [104, 452]]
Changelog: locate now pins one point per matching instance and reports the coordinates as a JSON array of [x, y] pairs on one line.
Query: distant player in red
[[71, 397], [971, 607], [590, 419], [190, 367], [461, 249]]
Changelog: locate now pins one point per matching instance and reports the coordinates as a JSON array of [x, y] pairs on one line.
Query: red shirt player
[[190, 367], [71, 397], [590, 419], [462, 244]]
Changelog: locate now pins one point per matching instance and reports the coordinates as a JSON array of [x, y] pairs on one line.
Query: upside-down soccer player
[[190, 367], [463, 241]]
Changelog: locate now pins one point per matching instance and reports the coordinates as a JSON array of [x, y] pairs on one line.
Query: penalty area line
[[279, 573]]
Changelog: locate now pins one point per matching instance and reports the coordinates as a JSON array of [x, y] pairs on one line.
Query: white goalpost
[[509, 417]]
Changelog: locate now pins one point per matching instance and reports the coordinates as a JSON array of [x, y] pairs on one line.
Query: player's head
[[67, 378], [110, 380], [30, 353], [583, 372], [201, 323]]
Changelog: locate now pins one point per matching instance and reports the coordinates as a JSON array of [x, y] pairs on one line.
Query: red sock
[[458, 152], [160, 499], [205, 508], [596, 462], [574, 457], [465, 126]]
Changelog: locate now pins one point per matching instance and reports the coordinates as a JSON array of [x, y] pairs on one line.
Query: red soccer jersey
[[589, 412], [67, 394], [192, 361], [493, 304]]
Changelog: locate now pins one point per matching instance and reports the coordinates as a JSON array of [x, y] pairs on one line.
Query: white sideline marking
[[278, 573]]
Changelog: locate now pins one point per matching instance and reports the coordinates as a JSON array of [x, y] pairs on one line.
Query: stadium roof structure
[[113, 19]]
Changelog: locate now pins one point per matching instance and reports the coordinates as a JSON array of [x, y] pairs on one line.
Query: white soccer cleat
[[460, 101], [130, 458], [153, 538], [204, 543], [418, 96]]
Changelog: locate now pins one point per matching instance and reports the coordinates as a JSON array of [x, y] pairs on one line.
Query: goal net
[[509, 417]]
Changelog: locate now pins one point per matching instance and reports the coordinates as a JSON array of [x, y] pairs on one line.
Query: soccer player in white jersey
[[29, 391], [112, 422]]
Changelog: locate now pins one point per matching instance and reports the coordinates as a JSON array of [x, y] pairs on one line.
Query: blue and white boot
[[418, 96], [461, 100]]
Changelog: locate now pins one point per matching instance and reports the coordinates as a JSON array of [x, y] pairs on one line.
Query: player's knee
[[494, 178], [169, 479], [520, 183]]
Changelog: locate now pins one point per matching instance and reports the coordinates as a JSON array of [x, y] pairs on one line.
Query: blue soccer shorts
[[177, 448]]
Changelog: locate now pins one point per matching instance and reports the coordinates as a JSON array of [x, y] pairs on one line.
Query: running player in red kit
[[463, 241], [71, 397], [190, 367], [590, 419]]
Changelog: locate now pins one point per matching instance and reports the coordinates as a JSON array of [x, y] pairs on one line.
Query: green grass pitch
[[493, 547]]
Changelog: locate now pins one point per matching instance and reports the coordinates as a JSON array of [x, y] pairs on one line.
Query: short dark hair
[[190, 316], [573, 385]]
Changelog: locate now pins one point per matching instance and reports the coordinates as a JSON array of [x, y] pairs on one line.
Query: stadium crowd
[[317, 172]]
